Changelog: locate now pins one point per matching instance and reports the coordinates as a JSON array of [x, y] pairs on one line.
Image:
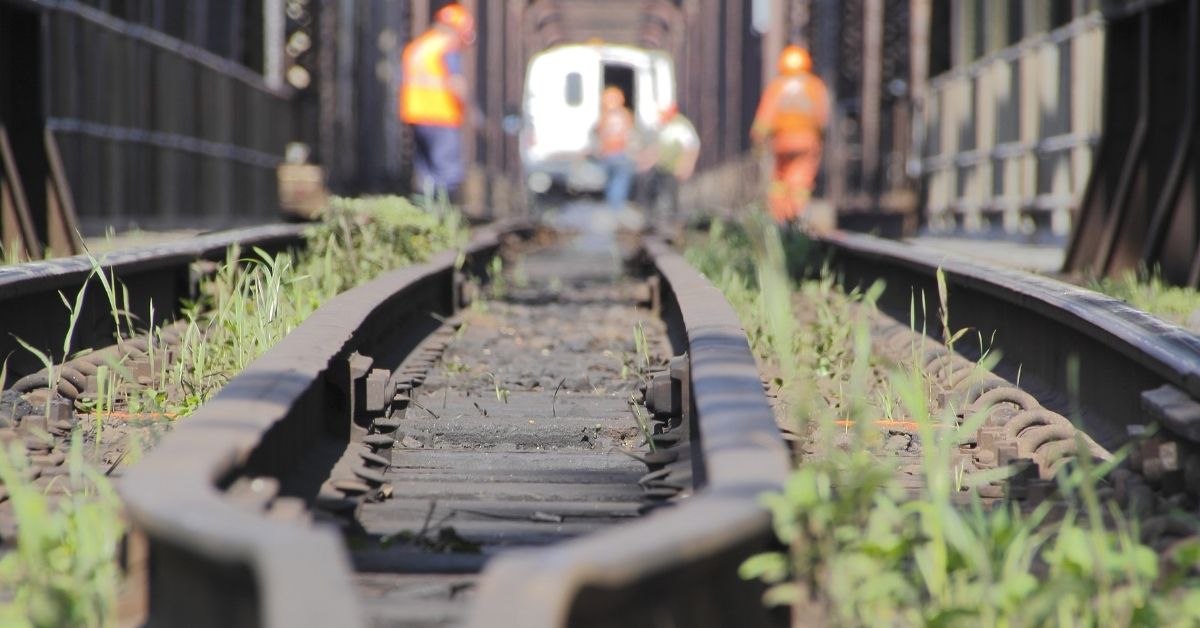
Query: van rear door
[[562, 103]]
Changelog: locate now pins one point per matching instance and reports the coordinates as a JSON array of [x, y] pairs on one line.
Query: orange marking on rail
[[911, 426], [133, 415]]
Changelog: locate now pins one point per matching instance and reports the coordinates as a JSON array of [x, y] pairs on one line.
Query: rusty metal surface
[[157, 275], [215, 564], [520, 434], [1139, 207], [163, 117], [676, 566], [213, 561], [1064, 337]]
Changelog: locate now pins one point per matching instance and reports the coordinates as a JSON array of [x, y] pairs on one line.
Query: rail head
[[70, 272], [689, 552], [1169, 350], [212, 563], [1040, 323]]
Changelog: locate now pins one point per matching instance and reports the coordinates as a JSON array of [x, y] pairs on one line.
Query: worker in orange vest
[[614, 136], [433, 98], [791, 116]]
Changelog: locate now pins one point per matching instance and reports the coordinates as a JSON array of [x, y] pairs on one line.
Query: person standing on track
[[791, 116], [614, 136], [676, 149], [433, 99]]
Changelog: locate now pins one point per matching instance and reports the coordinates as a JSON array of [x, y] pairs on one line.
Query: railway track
[[482, 463], [515, 431], [1073, 361], [432, 448], [1127, 368], [153, 278]]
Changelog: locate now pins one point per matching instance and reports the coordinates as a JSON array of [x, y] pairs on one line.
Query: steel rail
[[1098, 356], [676, 566], [213, 563], [156, 274]]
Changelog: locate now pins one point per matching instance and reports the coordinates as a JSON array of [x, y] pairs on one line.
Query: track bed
[[514, 437]]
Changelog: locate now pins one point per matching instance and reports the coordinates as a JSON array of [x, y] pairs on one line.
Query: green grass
[[861, 550], [1148, 292], [255, 299], [63, 570]]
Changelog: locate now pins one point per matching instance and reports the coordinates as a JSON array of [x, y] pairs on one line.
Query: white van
[[562, 104]]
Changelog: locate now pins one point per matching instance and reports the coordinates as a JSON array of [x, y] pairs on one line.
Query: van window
[[574, 89]]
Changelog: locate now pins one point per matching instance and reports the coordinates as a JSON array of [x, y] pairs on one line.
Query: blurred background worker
[[676, 149], [433, 99], [793, 112], [614, 135]]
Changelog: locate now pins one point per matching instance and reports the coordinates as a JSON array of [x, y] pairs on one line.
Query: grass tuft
[[63, 570], [861, 549]]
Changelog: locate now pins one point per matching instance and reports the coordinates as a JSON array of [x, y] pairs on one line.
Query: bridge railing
[[155, 130], [1008, 140]]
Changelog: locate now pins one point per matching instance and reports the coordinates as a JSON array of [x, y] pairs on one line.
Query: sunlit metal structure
[[135, 112], [1010, 114], [159, 114]]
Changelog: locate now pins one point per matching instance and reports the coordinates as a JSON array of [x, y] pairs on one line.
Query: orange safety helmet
[[612, 98], [458, 18], [794, 60], [670, 112]]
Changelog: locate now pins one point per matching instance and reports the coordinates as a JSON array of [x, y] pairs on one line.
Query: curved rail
[[1111, 364], [211, 562], [158, 274]]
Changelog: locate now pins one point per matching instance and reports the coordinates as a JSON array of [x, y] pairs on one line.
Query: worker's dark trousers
[[659, 193], [438, 160]]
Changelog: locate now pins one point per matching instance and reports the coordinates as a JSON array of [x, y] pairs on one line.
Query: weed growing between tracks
[[63, 569], [253, 302], [863, 550]]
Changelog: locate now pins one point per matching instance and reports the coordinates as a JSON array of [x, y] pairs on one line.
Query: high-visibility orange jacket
[[425, 94], [614, 131], [793, 110]]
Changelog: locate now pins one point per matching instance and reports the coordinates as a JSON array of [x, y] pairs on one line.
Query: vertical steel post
[[918, 37], [732, 92], [871, 93], [273, 33]]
